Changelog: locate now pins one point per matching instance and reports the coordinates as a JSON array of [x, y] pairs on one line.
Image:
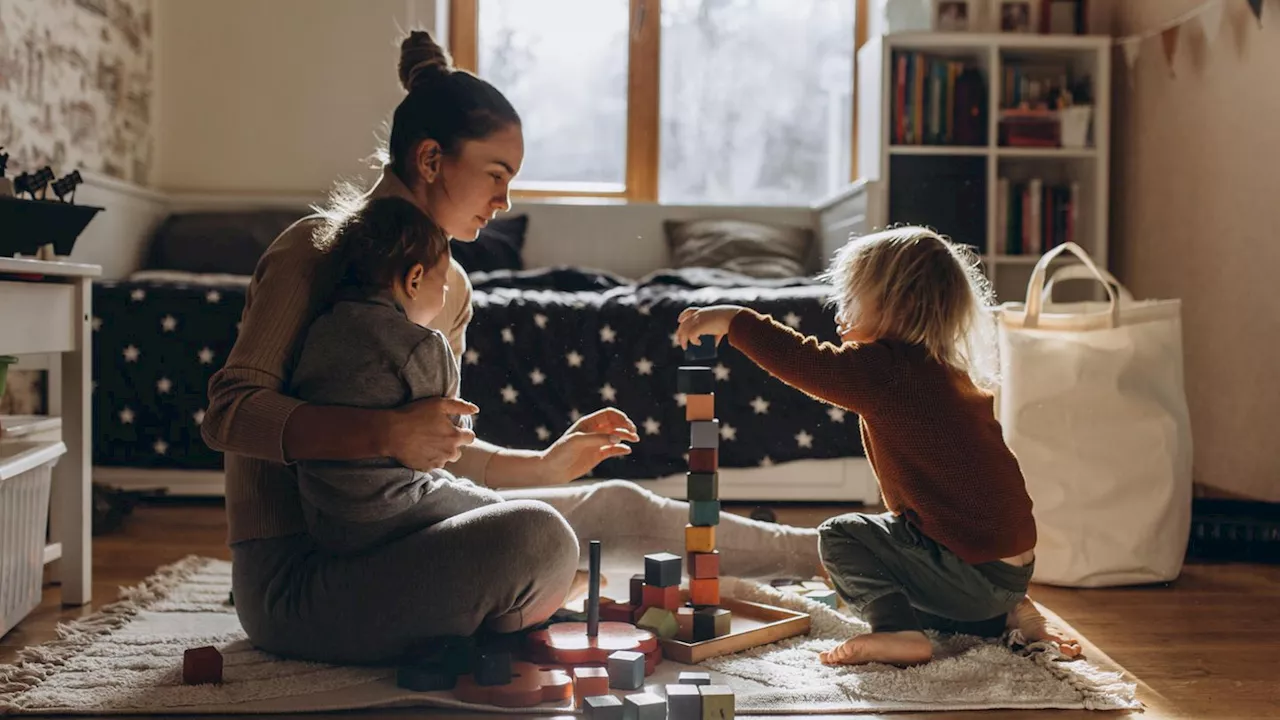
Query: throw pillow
[[499, 246], [217, 242], [754, 249]]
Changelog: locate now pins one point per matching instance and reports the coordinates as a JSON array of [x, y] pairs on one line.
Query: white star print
[[675, 340], [540, 320], [793, 320], [721, 372], [131, 354], [542, 432], [509, 394], [138, 295], [644, 310], [728, 432], [644, 366], [681, 399], [213, 296], [574, 415], [837, 414], [766, 461], [760, 405], [205, 355], [168, 323], [161, 447], [804, 439], [575, 360], [651, 426], [508, 337], [97, 324], [608, 393], [607, 334], [126, 416], [198, 416], [471, 357], [164, 385], [536, 377]]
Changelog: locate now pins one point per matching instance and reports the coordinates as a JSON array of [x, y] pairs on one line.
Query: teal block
[[704, 512]]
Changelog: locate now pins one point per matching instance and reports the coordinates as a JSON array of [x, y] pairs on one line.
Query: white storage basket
[[26, 469]]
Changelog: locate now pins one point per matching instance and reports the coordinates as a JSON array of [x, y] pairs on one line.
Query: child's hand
[[714, 320]]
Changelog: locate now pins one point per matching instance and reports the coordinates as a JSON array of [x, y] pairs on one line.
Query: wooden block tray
[[752, 625]]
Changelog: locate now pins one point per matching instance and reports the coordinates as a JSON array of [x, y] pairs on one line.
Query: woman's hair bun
[[421, 56]]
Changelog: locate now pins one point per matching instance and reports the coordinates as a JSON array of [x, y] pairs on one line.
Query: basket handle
[[1036, 286]]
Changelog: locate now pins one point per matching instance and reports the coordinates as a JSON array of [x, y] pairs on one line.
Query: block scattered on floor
[[626, 670], [201, 666]]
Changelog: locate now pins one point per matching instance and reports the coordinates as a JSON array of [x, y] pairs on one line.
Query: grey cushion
[[217, 242], [755, 249]]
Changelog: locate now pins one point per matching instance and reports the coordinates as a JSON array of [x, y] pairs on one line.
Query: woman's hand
[[422, 436], [696, 322], [590, 440]]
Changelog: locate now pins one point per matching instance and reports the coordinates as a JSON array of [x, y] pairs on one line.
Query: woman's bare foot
[[1035, 628], [893, 648]]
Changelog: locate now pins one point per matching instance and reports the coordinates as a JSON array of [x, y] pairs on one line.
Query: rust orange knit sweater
[[930, 435]]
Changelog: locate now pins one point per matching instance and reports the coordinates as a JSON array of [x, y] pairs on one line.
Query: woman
[[455, 146]]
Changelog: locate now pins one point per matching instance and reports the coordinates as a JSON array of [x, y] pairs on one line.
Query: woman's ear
[[413, 280], [430, 157]]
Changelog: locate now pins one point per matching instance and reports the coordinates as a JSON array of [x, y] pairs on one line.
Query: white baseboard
[[843, 480]]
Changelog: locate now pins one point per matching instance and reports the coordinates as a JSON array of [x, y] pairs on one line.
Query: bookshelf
[[1013, 178]]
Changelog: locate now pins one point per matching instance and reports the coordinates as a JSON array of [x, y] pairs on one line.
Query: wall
[[76, 86], [1196, 217], [283, 96]]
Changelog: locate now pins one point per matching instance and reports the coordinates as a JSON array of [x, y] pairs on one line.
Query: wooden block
[[684, 702], [493, 667], [704, 512], [616, 611], [684, 624], [425, 677], [695, 380], [644, 706], [667, 598], [455, 653], [815, 585], [589, 682], [626, 670], [826, 597], [704, 564], [704, 460], [701, 348], [717, 702], [704, 591], [702, 486], [637, 590], [710, 623], [700, 407], [660, 622], [602, 707], [699, 539], [704, 434], [691, 677], [202, 665], [662, 569]]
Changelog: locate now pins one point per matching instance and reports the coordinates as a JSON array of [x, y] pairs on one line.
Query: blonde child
[[955, 551]]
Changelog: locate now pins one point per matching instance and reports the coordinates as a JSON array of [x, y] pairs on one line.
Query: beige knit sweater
[[247, 408]]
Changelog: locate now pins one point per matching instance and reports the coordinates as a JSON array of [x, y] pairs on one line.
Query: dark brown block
[[202, 665]]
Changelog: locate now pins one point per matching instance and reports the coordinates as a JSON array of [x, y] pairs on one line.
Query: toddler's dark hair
[[381, 241]]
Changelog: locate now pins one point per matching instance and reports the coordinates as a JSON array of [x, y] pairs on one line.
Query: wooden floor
[[1206, 647]]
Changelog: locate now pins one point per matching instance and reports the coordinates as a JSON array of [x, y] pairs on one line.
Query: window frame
[[644, 61]]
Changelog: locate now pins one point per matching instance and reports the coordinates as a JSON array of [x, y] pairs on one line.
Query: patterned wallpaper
[[76, 86]]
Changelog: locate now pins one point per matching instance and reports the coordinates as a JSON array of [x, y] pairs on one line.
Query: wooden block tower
[[705, 620]]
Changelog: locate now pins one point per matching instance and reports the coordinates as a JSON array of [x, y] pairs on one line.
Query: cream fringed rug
[[127, 659]]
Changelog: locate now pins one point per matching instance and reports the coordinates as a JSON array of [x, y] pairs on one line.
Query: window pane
[[563, 65], [756, 100]]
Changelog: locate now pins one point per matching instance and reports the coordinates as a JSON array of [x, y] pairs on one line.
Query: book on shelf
[[1033, 216], [937, 101]]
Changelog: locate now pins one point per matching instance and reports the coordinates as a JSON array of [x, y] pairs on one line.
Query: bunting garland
[[1209, 17]]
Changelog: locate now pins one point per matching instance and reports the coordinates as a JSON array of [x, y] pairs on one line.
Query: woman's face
[[474, 184]]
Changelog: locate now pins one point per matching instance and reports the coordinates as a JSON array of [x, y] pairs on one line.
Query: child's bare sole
[[892, 648], [1035, 628]]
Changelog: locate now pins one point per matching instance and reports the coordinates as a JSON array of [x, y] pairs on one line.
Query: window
[[679, 101]]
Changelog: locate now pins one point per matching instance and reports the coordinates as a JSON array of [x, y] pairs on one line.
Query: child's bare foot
[[1035, 628], [893, 648]]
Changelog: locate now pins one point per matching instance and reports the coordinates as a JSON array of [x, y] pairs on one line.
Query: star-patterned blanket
[[543, 348]]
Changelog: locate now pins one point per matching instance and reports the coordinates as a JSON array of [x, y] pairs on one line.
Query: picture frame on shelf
[[954, 15], [1019, 16], [1064, 17]]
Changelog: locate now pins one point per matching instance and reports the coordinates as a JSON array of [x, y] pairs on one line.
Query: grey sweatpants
[[896, 578], [500, 567]]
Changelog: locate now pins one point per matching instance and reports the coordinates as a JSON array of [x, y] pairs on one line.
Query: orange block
[[700, 538], [700, 407], [704, 565], [704, 591], [667, 598], [589, 682]]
